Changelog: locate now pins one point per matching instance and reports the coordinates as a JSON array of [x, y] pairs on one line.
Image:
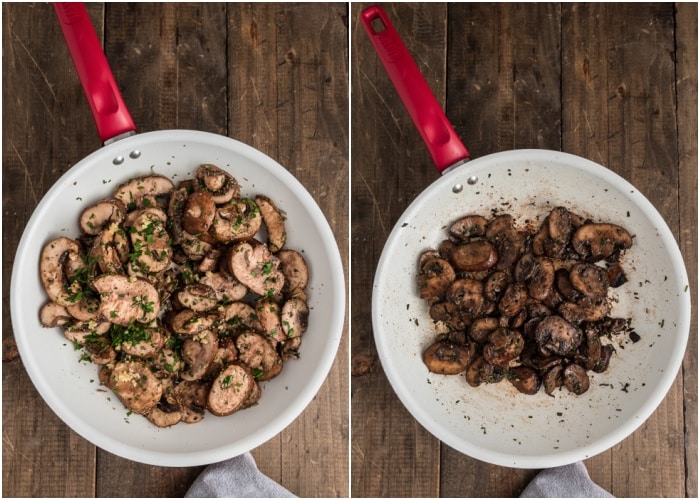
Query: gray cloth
[[238, 477], [568, 481]]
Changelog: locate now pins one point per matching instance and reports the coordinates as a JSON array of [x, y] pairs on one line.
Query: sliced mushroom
[[133, 193], [479, 255], [565, 287], [80, 332], [434, 278], [135, 385], [85, 309], [258, 354], [446, 358], [222, 185], [553, 379], [597, 241], [503, 346], [468, 227], [256, 268], [586, 309], [198, 297], [238, 316], [481, 371], [146, 347], [616, 276], [542, 279], [164, 414], [294, 269], [110, 249], [198, 353], [193, 247], [226, 288], [199, 212], [191, 396], [513, 300], [123, 300], [253, 397], [188, 322], [150, 241], [274, 222], [100, 350], [102, 214], [556, 335], [237, 221], [589, 279], [495, 284], [467, 294], [449, 314], [268, 312], [576, 379], [294, 317], [176, 213], [525, 379], [51, 269], [230, 389], [559, 225], [52, 314], [482, 328]]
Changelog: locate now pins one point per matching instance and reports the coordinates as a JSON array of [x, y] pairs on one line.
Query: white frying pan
[[70, 387], [494, 422]]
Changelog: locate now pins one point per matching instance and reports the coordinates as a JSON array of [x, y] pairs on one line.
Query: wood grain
[[612, 82], [178, 66]]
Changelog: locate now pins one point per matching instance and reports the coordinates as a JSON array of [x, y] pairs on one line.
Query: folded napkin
[[569, 481], [238, 477]]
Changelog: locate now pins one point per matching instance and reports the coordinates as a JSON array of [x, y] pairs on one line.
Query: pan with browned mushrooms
[[186, 295], [530, 305]]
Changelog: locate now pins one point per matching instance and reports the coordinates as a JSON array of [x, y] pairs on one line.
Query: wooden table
[[274, 76], [616, 83]]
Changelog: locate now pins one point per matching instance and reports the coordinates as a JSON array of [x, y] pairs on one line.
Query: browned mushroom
[[225, 287], [222, 186], [525, 379], [135, 385], [188, 322], [513, 300], [257, 268], [198, 212], [553, 379], [503, 346], [52, 314], [482, 328], [100, 215], [198, 353], [597, 241], [586, 309], [51, 269], [446, 358], [557, 336], [191, 396], [294, 268], [133, 193], [198, 297], [123, 300], [479, 255], [542, 279], [434, 278], [230, 389], [576, 379], [468, 227], [257, 353], [589, 279], [274, 222], [294, 317], [268, 312], [467, 294], [237, 221], [164, 414], [238, 316]]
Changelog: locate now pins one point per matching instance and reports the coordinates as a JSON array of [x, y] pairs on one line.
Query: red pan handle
[[442, 141], [108, 109]]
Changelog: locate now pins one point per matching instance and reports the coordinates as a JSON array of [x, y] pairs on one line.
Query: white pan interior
[[495, 423], [71, 387]]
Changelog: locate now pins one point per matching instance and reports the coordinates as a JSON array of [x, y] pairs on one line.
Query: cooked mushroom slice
[[100, 215], [167, 361], [226, 288], [164, 414], [556, 335], [226, 353], [188, 322], [467, 294], [586, 309], [294, 317], [141, 342], [603, 361], [559, 225], [199, 212], [597, 241], [508, 253], [525, 267], [513, 300], [51, 269], [176, 213], [274, 222], [268, 312], [525, 379], [447, 313], [501, 227], [294, 269], [542, 279], [82, 331], [480, 371], [238, 316], [135, 385], [110, 249], [256, 268], [150, 241], [553, 379], [230, 390], [52, 314], [124, 300], [210, 262], [237, 221], [589, 279], [133, 193], [616, 276], [564, 286], [479, 255], [468, 227], [198, 297], [495, 284], [191, 396], [503, 346], [434, 278], [482, 328], [198, 353], [576, 379], [446, 358], [85, 309], [222, 186], [253, 397], [259, 355], [100, 350]]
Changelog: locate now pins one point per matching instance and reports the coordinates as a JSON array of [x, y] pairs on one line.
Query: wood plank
[[392, 455], [686, 57], [503, 92], [619, 111], [42, 108]]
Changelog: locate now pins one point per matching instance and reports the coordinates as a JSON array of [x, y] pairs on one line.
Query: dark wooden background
[[616, 83], [274, 76]]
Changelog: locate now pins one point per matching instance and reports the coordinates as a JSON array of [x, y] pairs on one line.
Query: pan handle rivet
[[118, 160], [457, 188], [134, 154], [472, 180]]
